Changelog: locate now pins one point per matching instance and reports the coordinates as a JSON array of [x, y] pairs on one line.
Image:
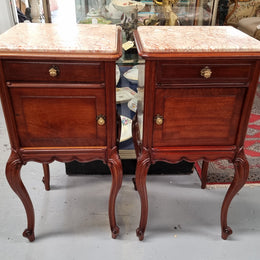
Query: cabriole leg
[[143, 164], [240, 178], [13, 168], [115, 166]]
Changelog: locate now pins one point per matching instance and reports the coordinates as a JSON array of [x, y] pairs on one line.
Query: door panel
[[198, 116], [59, 117]]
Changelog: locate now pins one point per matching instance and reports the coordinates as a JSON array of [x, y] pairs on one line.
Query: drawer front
[[59, 117], [30, 71], [197, 117], [203, 72]]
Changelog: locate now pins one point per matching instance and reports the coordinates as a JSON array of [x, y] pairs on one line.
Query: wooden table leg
[[204, 174], [13, 168], [46, 177], [136, 140], [240, 178], [115, 166], [143, 164]]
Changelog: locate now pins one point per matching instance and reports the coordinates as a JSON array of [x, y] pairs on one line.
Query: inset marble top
[[39, 38], [169, 39]]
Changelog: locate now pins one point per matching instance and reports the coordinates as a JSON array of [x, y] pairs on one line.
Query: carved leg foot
[[204, 173], [13, 168], [241, 175], [29, 234], [46, 177], [140, 234], [115, 166], [226, 232], [115, 232], [143, 164]]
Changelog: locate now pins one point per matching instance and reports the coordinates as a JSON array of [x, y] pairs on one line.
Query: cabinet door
[[59, 116], [197, 116]]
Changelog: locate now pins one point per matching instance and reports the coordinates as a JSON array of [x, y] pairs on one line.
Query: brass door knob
[[158, 119], [206, 72], [101, 120], [54, 71]]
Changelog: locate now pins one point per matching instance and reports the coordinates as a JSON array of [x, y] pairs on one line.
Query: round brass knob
[[158, 119], [101, 120], [54, 71], [206, 72]]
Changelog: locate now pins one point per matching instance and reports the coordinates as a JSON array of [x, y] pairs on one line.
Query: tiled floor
[[72, 220]]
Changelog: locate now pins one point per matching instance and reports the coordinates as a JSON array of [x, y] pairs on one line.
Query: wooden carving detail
[[115, 166], [13, 168], [240, 178], [50, 155]]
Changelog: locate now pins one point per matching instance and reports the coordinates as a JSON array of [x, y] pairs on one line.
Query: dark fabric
[[23, 17], [98, 167]]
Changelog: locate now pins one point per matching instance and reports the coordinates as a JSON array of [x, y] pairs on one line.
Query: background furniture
[[199, 88], [245, 15], [58, 96], [239, 9], [251, 26]]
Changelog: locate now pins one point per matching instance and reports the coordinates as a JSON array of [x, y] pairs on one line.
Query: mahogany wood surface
[[56, 118], [203, 118], [70, 71]]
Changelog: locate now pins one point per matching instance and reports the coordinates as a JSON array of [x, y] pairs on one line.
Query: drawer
[[31, 71], [203, 72]]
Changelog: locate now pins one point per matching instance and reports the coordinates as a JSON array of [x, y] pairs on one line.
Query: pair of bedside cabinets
[[58, 95]]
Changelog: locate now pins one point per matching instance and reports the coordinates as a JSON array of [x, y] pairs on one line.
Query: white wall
[[8, 17]]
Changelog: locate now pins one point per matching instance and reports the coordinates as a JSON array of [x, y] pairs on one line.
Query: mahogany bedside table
[[58, 95], [200, 84]]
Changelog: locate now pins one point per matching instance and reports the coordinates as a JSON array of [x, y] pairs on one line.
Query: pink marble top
[[52, 38], [165, 39]]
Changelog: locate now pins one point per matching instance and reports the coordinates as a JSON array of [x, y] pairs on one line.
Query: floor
[[72, 219]]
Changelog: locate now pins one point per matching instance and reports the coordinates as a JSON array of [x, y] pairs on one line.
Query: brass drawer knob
[[158, 119], [101, 120], [54, 71], [206, 72]]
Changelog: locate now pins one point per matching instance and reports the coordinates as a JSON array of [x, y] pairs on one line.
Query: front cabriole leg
[[143, 164], [115, 166], [13, 168], [241, 174]]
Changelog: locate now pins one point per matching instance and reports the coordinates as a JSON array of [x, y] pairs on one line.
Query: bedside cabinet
[[200, 84], [58, 97]]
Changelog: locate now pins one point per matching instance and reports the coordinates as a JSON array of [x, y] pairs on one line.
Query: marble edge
[[201, 47], [60, 55], [7, 51]]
